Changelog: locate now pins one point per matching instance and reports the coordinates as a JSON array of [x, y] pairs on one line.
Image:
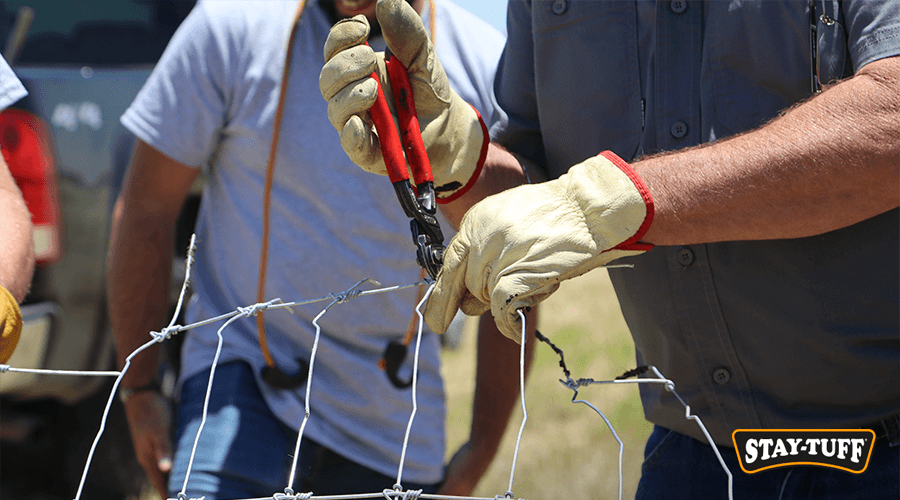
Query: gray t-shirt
[[210, 103], [798, 333]]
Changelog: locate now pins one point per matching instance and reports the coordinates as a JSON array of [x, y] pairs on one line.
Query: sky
[[492, 11]]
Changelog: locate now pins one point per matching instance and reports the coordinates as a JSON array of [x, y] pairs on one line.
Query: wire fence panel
[[645, 375]]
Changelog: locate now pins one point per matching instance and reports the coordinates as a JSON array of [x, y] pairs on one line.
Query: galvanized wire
[[669, 386], [397, 493]]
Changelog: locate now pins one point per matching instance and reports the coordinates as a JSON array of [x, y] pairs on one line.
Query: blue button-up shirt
[[800, 333]]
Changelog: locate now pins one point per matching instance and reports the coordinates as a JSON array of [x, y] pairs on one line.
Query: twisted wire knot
[[289, 493], [391, 494], [182, 496], [254, 309], [343, 297], [166, 333], [4, 368]]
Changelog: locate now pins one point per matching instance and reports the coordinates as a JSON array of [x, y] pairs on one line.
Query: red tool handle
[[391, 147], [411, 134]]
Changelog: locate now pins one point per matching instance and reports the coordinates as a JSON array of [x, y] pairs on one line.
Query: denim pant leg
[[324, 472], [679, 467], [245, 451], [880, 480]]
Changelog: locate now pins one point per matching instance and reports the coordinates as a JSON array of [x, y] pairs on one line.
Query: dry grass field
[[567, 452]]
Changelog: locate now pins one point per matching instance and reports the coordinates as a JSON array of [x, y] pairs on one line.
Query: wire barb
[[562, 358], [637, 372]]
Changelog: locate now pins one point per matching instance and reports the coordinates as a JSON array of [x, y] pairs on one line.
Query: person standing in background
[[210, 107], [16, 243]]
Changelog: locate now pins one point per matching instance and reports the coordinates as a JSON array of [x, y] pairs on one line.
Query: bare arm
[[501, 171], [496, 394], [138, 271], [825, 164], [16, 244]]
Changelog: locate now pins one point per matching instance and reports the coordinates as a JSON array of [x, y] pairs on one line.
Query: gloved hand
[[454, 134], [10, 324], [514, 248]]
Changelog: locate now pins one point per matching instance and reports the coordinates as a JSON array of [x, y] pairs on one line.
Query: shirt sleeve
[[11, 89], [182, 107], [516, 126], [873, 30], [469, 49]]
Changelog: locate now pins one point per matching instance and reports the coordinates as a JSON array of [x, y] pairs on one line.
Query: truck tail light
[[25, 142]]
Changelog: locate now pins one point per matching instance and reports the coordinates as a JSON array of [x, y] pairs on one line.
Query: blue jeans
[[677, 466], [246, 452]]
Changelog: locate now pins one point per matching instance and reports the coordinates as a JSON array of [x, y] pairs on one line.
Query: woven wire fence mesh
[[644, 375]]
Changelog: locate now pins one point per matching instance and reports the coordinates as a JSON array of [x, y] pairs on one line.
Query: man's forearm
[[501, 171], [825, 164], [138, 274], [16, 244]]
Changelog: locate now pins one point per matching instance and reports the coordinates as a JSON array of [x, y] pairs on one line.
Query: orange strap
[[270, 174]]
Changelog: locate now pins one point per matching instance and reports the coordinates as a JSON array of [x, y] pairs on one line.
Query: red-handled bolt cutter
[[419, 203]]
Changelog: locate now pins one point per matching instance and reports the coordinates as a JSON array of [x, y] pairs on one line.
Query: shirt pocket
[[587, 79], [757, 61]]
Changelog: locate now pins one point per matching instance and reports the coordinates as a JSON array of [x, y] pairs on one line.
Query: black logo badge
[[845, 449]]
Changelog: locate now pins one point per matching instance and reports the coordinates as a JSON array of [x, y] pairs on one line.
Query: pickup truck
[[82, 63]]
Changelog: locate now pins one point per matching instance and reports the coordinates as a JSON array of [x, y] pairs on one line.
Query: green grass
[[567, 451]]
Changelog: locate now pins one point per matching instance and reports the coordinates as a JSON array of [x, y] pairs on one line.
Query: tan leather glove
[[10, 324], [454, 134], [514, 248]]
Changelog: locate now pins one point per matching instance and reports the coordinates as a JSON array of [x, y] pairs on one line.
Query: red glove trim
[[481, 158], [633, 243]]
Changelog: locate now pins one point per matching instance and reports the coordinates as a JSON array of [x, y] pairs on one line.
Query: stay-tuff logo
[[845, 449]]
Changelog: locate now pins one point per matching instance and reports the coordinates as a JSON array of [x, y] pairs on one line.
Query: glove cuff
[[634, 243], [451, 195], [615, 202]]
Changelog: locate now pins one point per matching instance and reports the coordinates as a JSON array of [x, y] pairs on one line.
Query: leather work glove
[[514, 248], [455, 137], [10, 324]]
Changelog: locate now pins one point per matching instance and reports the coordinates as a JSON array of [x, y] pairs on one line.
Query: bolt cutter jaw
[[419, 203], [429, 251]]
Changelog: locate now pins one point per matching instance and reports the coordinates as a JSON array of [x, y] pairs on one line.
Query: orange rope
[[270, 174]]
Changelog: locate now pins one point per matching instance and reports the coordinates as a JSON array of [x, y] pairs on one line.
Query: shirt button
[[722, 376], [559, 6], [678, 6], [679, 129], [685, 257]]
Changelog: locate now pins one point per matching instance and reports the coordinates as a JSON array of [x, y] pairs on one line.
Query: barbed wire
[[625, 378], [397, 492]]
